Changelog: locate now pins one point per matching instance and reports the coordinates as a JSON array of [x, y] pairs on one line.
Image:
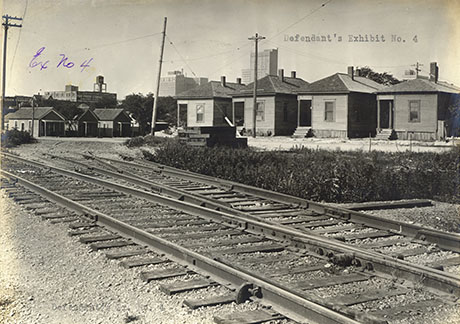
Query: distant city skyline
[[121, 39]]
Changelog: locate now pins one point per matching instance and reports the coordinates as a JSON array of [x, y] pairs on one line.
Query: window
[[15, 124], [329, 111], [200, 113], [260, 111], [285, 112], [22, 126], [414, 111]]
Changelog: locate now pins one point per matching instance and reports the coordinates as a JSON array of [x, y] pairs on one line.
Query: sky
[[120, 39]]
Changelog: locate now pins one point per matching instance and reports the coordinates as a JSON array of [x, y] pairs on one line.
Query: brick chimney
[[238, 80], [281, 74], [351, 72], [293, 74], [358, 72], [223, 81], [434, 72]]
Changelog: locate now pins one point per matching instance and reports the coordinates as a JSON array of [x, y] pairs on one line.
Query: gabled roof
[[343, 83], [212, 89], [83, 112], [421, 85], [26, 113], [272, 84], [108, 113]]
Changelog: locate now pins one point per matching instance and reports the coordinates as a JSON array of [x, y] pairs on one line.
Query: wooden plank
[[250, 239], [109, 245], [362, 236], [184, 229], [331, 281], [303, 219], [290, 271], [364, 297], [163, 274], [411, 252], [198, 236], [98, 238], [63, 220], [251, 249], [390, 204], [264, 208], [81, 225], [126, 253], [449, 262], [336, 229], [249, 317], [417, 308], [142, 262], [210, 301], [326, 222], [384, 243], [182, 286]]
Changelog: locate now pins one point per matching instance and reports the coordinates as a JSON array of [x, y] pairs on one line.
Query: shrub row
[[148, 140], [320, 175], [16, 137]]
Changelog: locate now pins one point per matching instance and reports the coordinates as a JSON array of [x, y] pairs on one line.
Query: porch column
[[233, 114], [45, 127], [298, 113], [390, 104], [86, 128], [378, 115], [178, 114]]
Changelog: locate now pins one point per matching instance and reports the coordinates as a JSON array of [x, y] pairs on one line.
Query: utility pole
[[157, 92], [6, 23], [256, 39], [417, 70]]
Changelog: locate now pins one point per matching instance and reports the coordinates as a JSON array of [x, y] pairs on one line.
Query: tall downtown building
[[267, 64]]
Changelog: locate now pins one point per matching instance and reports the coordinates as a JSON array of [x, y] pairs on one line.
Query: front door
[[386, 114], [305, 113]]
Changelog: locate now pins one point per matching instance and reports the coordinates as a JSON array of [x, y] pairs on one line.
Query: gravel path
[[48, 277]]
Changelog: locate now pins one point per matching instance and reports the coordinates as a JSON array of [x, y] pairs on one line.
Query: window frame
[[198, 106], [418, 119], [326, 111], [260, 113]]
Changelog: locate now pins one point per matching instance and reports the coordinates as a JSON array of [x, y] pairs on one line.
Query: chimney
[[222, 81], [238, 80], [434, 72], [281, 74], [351, 70], [293, 74], [358, 72]]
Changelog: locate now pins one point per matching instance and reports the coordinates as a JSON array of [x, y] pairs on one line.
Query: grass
[[324, 175]]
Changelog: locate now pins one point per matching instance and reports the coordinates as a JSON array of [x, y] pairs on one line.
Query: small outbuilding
[[87, 123], [44, 121], [113, 122]]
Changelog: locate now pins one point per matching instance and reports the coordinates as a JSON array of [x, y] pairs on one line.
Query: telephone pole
[[256, 39], [6, 23], [157, 92], [417, 70]]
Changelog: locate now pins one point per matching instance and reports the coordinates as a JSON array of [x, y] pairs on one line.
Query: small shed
[[45, 121], [113, 122]]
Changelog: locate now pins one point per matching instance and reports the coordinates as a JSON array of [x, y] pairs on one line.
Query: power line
[[124, 41], [175, 48], [298, 21]]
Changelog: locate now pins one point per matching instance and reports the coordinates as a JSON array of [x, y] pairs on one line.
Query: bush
[[15, 137], [324, 175], [148, 140]]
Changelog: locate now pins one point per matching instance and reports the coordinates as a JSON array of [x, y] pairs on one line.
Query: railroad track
[[305, 274]]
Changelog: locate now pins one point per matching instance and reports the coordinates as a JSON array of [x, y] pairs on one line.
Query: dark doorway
[[182, 122], [305, 113], [386, 114], [239, 113]]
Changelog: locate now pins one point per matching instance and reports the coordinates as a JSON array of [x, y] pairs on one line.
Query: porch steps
[[386, 134], [302, 132]]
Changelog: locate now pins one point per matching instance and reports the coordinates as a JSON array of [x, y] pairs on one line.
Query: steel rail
[[427, 276], [284, 301], [448, 241]]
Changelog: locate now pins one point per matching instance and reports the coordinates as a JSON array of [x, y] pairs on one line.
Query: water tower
[[100, 86]]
